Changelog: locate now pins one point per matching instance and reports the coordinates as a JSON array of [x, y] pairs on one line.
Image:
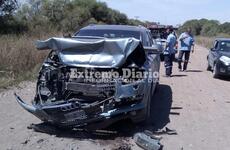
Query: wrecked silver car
[[96, 79]]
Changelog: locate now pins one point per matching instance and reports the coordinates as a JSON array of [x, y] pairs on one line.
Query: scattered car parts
[[146, 142]]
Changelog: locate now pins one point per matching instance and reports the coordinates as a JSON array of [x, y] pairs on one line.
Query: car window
[[150, 38], [109, 33], [225, 46], [145, 39]]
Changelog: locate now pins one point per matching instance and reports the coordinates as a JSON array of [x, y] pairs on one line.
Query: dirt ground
[[193, 103]]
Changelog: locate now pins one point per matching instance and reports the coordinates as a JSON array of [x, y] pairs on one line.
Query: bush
[[204, 27], [19, 59]]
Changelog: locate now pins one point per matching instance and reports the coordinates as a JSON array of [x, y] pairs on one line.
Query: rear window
[[110, 33]]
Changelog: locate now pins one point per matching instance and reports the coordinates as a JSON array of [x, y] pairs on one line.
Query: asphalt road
[[192, 103]]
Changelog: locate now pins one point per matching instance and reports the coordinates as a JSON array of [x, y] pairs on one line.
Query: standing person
[[186, 45], [169, 52]]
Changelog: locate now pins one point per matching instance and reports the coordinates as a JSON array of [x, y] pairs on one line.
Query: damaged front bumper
[[69, 115], [127, 104]]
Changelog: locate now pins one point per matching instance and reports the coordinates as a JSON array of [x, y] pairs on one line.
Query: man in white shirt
[[186, 45]]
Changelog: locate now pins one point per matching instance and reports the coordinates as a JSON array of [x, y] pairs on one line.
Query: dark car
[[219, 58], [104, 73]]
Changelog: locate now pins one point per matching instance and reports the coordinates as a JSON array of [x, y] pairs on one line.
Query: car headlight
[[225, 60]]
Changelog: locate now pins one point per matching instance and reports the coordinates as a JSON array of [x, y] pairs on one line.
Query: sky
[[173, 12]]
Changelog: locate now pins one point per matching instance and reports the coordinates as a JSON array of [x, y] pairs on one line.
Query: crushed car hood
[[100, 53]]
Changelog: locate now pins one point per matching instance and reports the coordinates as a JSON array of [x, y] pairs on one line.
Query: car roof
[[116, 27], [223, 39]]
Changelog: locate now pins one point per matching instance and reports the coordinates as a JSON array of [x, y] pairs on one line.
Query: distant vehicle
[[159, 31], [160, 35], [219, 58], [84, 80]]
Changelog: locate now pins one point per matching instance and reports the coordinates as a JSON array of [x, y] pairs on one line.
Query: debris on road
[[146, 142], [149, 133], [25, 142], [30, 127], [43, 128], [176, 107], [106, 131], [40, 141], [123, 147], [170, 132], [166, 131], [174, 113]]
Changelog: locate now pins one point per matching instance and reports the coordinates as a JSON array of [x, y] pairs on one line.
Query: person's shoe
[[180, 70]]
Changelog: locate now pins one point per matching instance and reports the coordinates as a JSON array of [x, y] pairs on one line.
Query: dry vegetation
[[19, 59], [205, 41]]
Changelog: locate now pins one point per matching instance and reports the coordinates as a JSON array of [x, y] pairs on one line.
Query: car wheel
[[215, 72], [148, 108]]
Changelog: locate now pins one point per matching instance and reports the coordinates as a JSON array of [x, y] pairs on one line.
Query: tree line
[[58, 15], [205, 27], [68, 16]]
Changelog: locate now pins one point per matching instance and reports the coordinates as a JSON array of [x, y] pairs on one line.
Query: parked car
[[70, 91], [219, 58]]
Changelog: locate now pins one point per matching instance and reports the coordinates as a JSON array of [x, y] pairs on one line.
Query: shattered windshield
[[110, 33]]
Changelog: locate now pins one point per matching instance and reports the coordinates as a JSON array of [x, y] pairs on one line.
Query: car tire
[[215, 72], [148, 108]]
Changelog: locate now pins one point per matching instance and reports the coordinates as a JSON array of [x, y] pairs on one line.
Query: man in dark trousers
[[169, 52], [186, 45]]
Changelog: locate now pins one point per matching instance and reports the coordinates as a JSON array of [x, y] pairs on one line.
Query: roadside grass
[[8, 79], [19, 59], [208, 41]]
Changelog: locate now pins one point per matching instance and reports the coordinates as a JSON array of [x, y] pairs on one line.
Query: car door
[[154, 60], [213, 54], [156, 56]]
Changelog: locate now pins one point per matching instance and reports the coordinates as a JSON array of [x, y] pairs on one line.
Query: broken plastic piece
[[146, 142], [149, 133], [170, 132], [166, 131]]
